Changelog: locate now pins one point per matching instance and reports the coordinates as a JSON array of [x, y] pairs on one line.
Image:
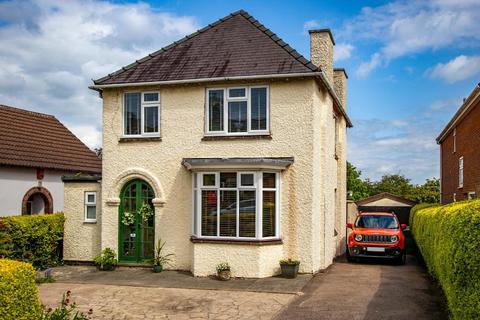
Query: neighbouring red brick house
[[460, 152]]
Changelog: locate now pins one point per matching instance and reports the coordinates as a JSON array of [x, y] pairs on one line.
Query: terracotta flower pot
[[224, 275], [289, 270]]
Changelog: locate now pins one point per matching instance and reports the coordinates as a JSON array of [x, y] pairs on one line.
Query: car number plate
[[375, 249]]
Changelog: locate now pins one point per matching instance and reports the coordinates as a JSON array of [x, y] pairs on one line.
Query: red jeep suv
[[376, 235]]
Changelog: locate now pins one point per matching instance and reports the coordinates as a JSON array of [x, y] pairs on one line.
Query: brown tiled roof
[[32, 139], [236, 45]]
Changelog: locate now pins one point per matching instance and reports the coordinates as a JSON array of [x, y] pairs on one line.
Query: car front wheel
[[402, 258]]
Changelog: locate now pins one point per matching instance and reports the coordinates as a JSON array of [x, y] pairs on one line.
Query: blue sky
[[409, 63]]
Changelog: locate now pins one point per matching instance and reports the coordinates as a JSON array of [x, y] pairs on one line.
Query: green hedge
[[18, 292], [449, 239], [36, 239]]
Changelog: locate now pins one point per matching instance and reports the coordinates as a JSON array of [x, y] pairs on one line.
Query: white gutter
[[201, 80]]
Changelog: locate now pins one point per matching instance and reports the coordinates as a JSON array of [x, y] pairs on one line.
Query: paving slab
[[130, 302], [144, 277]]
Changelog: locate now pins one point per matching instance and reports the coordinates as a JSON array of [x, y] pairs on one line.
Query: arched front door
[[136, 222]]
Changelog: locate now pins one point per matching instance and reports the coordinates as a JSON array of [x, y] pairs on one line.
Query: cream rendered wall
[[293, 104], [81, 239]]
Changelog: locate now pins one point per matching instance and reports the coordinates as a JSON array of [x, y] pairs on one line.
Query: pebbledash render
[[237, 144]]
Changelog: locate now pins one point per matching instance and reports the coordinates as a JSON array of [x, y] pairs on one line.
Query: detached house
[[231, 143], [36, 150], [460, 152]]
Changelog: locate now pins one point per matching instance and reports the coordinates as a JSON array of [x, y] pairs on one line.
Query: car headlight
[[358, 237], [393, 239]]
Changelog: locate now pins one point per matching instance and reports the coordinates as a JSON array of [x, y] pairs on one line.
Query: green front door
[[136, 237]]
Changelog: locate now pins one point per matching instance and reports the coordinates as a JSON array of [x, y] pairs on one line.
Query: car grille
[[375, 238]]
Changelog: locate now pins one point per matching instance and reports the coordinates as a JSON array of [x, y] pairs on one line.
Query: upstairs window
[[237, 111], [141, 114]]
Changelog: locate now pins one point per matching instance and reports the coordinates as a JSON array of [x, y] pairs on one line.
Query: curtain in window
[[228, 213], [132, 113], [258, 108], [215, 109]]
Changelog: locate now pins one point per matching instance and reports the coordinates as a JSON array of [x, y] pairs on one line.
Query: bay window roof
[[278, 163]]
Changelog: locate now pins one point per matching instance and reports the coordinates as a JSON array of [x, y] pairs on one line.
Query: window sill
[[238, 137], [255, 242], [138, 139], [89, 222]]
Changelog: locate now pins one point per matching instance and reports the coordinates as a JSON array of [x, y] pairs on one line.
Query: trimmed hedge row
[[449, 240], [36, 239], [18, 291]]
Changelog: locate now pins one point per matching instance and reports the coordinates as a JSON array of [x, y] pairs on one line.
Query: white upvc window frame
[[257, 187], [471, 195], [461, 165], [226, 100], [143, 105], [88, 204]]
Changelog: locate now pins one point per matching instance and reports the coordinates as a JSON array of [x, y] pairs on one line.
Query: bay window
[[240, 205], [141, 114], [237, 111]]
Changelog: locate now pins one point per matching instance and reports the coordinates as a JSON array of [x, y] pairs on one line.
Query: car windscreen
[[374, 221]]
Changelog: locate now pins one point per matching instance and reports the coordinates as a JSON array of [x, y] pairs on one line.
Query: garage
[[387, 202]]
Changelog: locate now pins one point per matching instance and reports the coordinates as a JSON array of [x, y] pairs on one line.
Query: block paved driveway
[[367, 291]]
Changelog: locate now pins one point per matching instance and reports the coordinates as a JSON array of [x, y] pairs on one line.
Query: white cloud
[[52, 49], [409, 27], [457, 69], [309, 25], [366, 67], [342, 51]]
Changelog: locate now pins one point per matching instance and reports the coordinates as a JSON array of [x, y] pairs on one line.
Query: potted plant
[[128, 218], [145, 212], [161, 259], [223, 271], [289, 268], [107, 261]]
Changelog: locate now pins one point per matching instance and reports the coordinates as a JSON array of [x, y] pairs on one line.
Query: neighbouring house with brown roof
[[227, 144], [36, 150], [460, 152]]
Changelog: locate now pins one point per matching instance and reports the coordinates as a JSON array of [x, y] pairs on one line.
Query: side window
[[90, 206]]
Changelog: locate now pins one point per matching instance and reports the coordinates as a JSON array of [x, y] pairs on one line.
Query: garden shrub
[[36, 239], [449, 240], [18, 292]]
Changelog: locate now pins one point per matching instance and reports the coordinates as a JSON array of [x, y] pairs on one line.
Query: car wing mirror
[[350, 225], [403, 226]]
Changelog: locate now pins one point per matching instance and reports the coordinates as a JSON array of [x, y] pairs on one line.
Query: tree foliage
[[358, 188]]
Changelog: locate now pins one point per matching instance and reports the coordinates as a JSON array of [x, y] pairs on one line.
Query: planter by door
[[136, 241]]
